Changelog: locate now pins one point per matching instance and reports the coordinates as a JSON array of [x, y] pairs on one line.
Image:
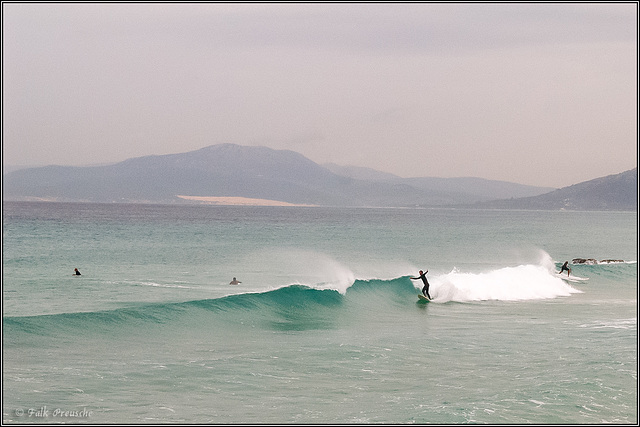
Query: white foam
[[613, 324], [163, 285], [523, 282]]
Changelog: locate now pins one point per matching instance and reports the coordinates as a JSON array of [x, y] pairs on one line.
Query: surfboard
[[574, 279], [423, 298]]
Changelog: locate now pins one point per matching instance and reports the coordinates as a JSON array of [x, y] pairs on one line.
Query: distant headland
[[242, 175]]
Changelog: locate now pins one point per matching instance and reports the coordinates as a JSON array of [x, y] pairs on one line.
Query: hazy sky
[[541, 94]]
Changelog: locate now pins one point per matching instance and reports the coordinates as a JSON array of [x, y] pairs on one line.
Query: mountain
[[613, 192], [229, 170], [358, 172], [464, 190], [220, 170]]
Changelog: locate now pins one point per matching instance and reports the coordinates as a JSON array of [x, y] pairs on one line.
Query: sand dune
[[237, 201]]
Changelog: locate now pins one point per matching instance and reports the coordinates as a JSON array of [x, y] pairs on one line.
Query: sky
[[540, 94]]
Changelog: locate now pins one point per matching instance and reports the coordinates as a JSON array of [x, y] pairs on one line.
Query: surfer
[[425, 288], [77, 272], [564, 267], [234, 282]]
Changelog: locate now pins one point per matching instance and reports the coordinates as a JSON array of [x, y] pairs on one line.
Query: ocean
[[325, 326]]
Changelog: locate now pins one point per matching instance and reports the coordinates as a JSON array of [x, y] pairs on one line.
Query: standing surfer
[[425, 288], [564, 267]]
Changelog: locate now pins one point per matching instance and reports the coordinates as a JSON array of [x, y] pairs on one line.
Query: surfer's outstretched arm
[[421, 276]]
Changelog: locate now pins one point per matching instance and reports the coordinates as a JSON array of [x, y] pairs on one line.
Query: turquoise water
[[326, 326]]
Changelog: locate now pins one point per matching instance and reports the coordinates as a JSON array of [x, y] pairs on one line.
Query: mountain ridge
[[230, 170], [611, 192]]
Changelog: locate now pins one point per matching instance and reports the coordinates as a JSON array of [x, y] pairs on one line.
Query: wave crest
[[523, 282]]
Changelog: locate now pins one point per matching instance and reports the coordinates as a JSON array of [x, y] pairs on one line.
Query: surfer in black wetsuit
[[425, 288], [77, 272], [564, 267]]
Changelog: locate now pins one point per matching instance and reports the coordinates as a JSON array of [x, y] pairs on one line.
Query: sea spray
[[302, 267], [523, 282]]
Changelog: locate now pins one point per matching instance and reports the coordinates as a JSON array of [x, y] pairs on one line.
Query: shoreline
[[238, 201]]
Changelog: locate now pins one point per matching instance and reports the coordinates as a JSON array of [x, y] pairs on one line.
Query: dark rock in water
[[591, 261], [584, 261]]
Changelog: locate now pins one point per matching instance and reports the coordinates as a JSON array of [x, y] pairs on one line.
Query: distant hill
[[613, 192], [229, 170], [220, 170], [358, 172], [467, 189]]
